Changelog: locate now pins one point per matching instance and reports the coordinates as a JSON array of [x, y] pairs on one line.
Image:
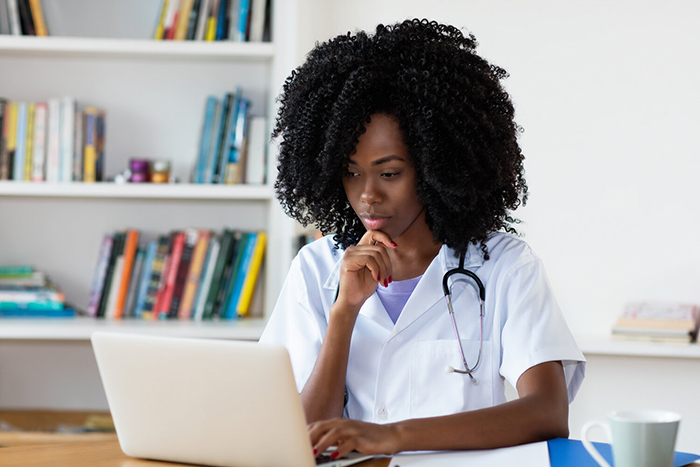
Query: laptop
[[204, 401]]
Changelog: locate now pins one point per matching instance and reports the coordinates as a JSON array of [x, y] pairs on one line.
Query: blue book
[[145, 279], [18, 167], [242, 267], [242, 30], [205, 141], [571, 453], [37, 313], [221, 21], [217, 142], [234, 146]]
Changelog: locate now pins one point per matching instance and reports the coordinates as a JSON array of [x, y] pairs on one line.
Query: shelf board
[[82, 328], [135, 48], [137, 190], [606, 345]]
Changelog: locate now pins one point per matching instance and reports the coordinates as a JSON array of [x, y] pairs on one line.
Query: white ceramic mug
[[639, 438]]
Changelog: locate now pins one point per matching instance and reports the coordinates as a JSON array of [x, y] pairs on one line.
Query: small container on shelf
[[160, 171], [139, 170]]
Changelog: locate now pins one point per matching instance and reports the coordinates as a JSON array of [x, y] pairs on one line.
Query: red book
[[171, 278]]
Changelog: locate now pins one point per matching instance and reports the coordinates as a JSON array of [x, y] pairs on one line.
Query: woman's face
[[380, 183]]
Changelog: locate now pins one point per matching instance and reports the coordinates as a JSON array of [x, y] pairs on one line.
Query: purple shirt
[[395, 296]]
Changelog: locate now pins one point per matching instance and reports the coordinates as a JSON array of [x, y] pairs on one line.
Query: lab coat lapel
[[428, 293]]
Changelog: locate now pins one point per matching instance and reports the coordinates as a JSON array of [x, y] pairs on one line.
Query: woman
[[403, 144]]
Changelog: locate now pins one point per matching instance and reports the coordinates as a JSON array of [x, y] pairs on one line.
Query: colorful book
[[117, 247], [39, 146], [210, 34], [210, 109], [4, 129], [238, 274], [235, 148], [183, 19], [38, 17], [182, 271], [25, 18], [228, 113], [16, 271], [154, 284], [251, 275], [145, 279], [222, 21], [229, 239], [169, 22], [130, 246], [243, 13], [101, 123], [134, 282], [98, 278], [29, 144], [207, 275], [194, 275], [202, 20], [171, 277], [90, 145], [21, 138], [164, 275], [113, 295], [192, 23], [53, 141], [160, 20]]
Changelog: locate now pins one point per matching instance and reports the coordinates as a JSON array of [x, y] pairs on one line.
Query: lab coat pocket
[[435, 392]]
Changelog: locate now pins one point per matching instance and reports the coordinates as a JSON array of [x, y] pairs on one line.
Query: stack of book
[[192, 274], [22, 17], [25, 292], [51, 141], [658, 322], [214, 20], [233, 144]]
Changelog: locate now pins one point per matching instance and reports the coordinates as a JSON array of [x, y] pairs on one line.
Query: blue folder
[[571, 453]]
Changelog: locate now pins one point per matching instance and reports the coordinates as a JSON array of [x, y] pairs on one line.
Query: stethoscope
[[479, 287]]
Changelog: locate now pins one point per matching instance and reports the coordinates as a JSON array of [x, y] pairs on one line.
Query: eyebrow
[[382, 160]]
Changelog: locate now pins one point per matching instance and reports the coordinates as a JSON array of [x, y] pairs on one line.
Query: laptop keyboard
[[323, 459]]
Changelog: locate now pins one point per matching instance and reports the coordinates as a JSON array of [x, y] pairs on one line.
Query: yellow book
[[211, 29], [160, 27], [183, 19], [194, 275], [251, 276], [38, 18], [9, 133], [12, 134], [90, 149], [29, 146]]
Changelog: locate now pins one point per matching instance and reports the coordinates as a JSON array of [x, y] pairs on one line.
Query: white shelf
[[82, 328], [135, 48], [137, 190], [606, 345]]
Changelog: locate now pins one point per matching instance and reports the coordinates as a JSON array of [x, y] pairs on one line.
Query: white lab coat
[[396, 372]]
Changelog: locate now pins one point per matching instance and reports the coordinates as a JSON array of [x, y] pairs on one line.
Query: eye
[[350, 174], [390, 174]]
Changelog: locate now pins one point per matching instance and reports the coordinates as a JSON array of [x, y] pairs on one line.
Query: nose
[[370, 193]]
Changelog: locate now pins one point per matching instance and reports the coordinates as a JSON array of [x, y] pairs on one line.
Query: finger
[[372, 237], [345, 447], [327, 439], [370, 258]]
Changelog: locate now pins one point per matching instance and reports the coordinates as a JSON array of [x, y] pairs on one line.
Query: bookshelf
[[154, 94]]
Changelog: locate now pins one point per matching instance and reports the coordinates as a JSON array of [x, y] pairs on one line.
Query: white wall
[[608, 94]]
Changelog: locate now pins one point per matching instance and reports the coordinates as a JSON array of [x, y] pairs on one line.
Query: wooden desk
[[92, 454]]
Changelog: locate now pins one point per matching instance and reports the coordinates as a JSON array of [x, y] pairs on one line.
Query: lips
[[375, 222]]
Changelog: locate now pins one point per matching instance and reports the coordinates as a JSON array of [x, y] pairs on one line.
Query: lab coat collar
[[427, 293]]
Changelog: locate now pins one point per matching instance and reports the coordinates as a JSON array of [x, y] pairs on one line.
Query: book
[[38, 17], [194, 275], [210, 33], [98, 278], [29, 144], [100, 124], [182, 271], [4, 19], [4, 124], [658, 321], [13, 15], [232, 19], [53, 138], [257, 20], [242, 20], [35, 279], [251, 274], [229, 239], [15, 271], [25, 295], [212, 155], [160, 20], [78, 146], [173, 265], [39, 146], [183, 19], [221, 21], [210, 109], [67, 139], [21, 138], [113, 295], [156, 314], [134, 281], [244, 254], [130, 246], [235, 148], [8, 162], [117, 246], [256, 159], [25, 18], [145, 280], [192, 23], [219, 149], [157, 267], [207, 276], [202, 20]]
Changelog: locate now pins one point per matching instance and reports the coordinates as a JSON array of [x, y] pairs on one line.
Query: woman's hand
[[363, 267], [352, 435]]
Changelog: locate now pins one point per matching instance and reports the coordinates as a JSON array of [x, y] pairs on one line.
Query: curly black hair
[[454, 115]]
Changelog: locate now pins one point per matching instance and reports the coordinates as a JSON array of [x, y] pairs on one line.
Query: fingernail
[[315, 451], [393, 244], [390, 279], [335, 455], [386, 283]]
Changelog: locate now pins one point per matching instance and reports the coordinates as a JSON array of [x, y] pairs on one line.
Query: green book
[[228, 243], [16, 272]]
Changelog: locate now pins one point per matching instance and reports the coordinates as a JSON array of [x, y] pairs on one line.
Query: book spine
[[208, 274], [228, 243], [171, 278], [205, 139], [117, 245], [4, 19], [160, 20], [149, 310], [78, 147], [234, 169], [228, 119], [18, 163], [239, 275], [134, 283], [113, 295], [211, 157], [145, 279], [100, 124], [221, 20], [251, 275], [130, 246], [68, 107], [53, 150], [90, 149], [192, 24], [257, 21], [183, 18], [13, 14], [243, 16], [182, 271], [9, 134], [25, 18], [193, 275], [210, 34], [29, 145], [202, 20], [39, 155], [3, 126], [38, 16]]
